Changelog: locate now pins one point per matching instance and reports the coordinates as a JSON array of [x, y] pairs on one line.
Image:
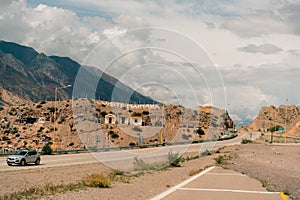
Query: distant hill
[[29, 76], [283, 116]]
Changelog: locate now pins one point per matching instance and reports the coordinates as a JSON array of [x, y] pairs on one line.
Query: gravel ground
[[20, 180], [277, 166], [141, 187]]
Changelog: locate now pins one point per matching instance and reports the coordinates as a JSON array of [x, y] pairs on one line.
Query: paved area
[[217, 183], [123, 159]]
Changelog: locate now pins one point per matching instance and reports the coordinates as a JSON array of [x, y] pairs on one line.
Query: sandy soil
[[20, 180], [142, 187], [277, 166]]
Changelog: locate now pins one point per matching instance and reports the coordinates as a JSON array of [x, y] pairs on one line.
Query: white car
[[24, 157]]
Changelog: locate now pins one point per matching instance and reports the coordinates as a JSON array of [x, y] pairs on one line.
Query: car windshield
[[20, 153]]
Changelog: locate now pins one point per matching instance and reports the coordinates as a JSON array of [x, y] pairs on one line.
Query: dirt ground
[[276, 166], [141, 187]]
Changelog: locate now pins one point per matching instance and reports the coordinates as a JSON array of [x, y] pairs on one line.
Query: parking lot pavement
[[217, 183]]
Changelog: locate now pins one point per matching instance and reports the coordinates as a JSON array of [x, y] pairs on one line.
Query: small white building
[[136, 120], [110, 119]]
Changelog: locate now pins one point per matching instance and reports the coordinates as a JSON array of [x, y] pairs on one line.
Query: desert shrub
[[51, 109], [137, 129], [206, 153], [47, 148], [5, 138], [136, 114], [132, 144], [145, 112], [200, 132], [186, 137], [14, 130], [246, 141], [219, 160], [174, 159], [98, 181], [39, 106], [103, 113], [61, 120], [40, 129], [141, 165], [71, 144], [113, 134], [1, 108]]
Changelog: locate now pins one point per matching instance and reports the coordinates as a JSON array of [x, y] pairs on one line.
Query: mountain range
[[30, 76]]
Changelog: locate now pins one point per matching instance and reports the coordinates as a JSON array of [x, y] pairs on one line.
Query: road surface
[[218, 183], [124, 159]]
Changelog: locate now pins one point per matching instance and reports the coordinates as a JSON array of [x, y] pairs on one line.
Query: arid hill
[[287, 117], [85, 123]]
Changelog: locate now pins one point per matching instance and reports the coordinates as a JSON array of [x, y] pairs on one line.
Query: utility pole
[[285, 133]]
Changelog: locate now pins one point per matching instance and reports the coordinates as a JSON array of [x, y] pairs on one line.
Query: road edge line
[[176, 187]]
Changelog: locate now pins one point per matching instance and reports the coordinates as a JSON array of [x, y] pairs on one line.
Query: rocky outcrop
[[81, 123], [285, 116]]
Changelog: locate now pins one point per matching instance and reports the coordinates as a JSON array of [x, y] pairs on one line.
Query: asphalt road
[[124, 159], [218, 183]]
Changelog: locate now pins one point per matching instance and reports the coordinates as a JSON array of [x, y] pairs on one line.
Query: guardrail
[[130, 147]]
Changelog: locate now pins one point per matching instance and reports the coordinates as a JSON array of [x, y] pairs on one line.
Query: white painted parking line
[[225, 174], [226, 190], [176, 187]]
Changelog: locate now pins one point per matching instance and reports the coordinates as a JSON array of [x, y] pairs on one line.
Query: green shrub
[[200, 132], [113, 134], [47, 148], [219, 160], [174, 159], [246, 141], [14, 130]]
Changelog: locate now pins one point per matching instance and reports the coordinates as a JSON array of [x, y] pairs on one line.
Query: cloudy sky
[[234, 54]]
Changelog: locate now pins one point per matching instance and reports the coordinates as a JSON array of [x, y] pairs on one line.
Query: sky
[[237, 55]]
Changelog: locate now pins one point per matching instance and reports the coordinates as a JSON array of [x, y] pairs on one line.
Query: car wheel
[[23, 162], [9, 164], [38, 161]]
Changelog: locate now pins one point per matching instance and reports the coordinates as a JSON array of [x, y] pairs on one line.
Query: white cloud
[[254, 42]]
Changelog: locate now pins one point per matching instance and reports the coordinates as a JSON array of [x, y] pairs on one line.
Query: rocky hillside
[[284, 116], [85, 123], [29, 76]]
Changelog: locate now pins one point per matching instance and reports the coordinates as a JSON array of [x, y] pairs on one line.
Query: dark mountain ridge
[[29, 76]]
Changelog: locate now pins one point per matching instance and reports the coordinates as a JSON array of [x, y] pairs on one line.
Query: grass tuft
[[98, 181]]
